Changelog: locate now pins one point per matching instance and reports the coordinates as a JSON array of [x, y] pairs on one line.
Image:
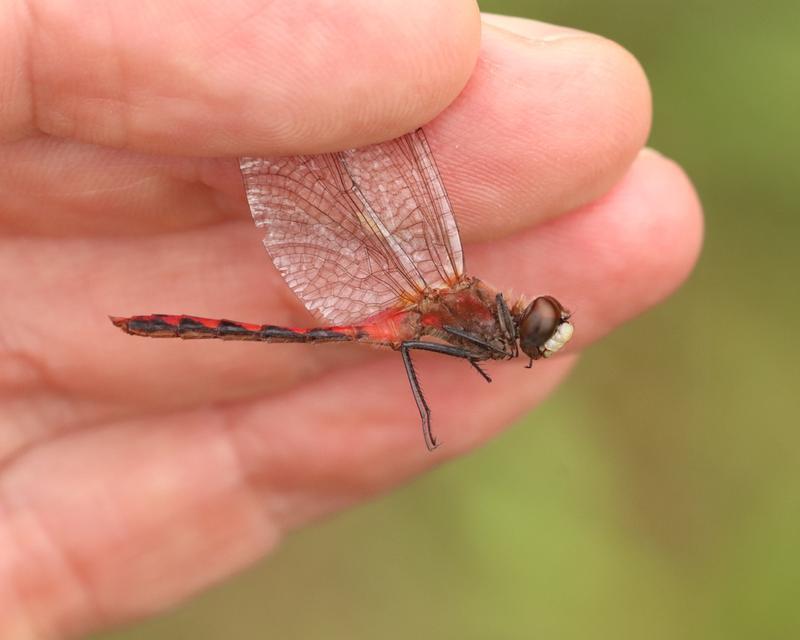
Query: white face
[[557, 340]]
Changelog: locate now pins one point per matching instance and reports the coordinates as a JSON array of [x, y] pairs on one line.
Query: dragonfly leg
[[507, 324], [445, 349], [424, 410], [477, 341], [478, 368]]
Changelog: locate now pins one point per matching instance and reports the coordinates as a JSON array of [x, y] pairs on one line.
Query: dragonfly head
[[543, 328]]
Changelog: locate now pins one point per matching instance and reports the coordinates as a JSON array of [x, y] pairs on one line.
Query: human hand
[[135, 473]]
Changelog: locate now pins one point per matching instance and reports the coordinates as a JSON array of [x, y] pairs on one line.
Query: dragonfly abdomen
[[193, 327]]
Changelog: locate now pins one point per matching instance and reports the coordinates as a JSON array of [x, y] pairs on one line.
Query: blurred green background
[[657, 495]]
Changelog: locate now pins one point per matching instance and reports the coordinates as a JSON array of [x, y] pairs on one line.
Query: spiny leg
[[445, 349], [478, 368], [424, 410], [476, 340], [507, 324]]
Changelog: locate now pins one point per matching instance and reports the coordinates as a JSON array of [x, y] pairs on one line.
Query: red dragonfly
[[367, 239]]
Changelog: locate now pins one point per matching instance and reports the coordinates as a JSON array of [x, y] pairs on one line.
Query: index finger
[[210, 78]]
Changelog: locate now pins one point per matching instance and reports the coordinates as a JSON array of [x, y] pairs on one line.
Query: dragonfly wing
[[357, 231]]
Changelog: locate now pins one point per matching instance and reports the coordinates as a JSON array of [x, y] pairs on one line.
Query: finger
[[357, 432], [200, 78], [607, 262], [106, 525], [611, 260], [224, 485], [527, 28], [59, 187], [560, 121], [562, 115]]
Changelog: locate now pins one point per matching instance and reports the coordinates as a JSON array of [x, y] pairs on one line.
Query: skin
[[135, 472]]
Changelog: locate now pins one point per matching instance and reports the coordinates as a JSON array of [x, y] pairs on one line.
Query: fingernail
[[651, 152], [531, 29]]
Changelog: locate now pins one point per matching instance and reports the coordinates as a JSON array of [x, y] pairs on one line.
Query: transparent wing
[[357, 231]]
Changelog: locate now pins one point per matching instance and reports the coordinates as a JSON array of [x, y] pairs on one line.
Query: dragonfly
[[367, 239]]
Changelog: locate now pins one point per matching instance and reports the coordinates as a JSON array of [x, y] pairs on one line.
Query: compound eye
[[539, 324]]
